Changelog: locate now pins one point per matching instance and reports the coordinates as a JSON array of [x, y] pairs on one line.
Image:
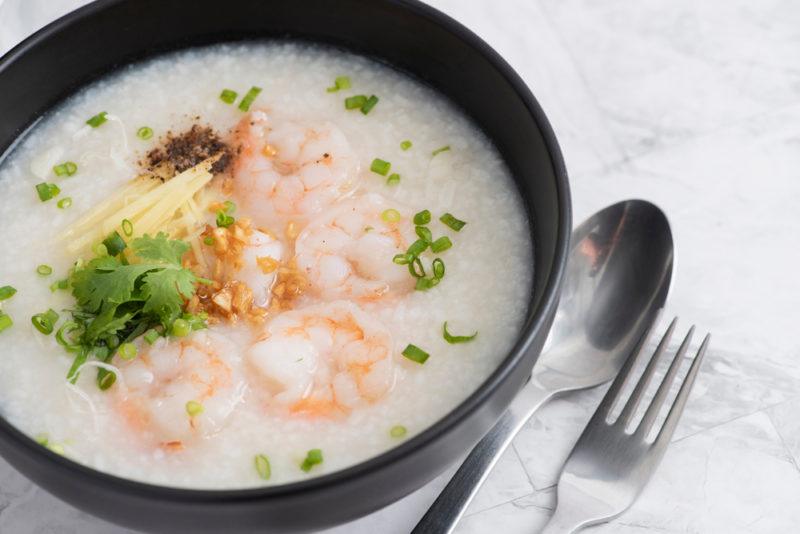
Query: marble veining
[[696, 107]]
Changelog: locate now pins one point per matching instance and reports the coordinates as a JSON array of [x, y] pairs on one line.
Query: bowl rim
[[431, 434]]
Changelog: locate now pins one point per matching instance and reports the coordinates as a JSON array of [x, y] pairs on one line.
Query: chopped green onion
[[398, 431], [151, 336], [415, 354], [57, 448], [80, 359], [415, 268], [424, 233], [441, 244], [5, 321], [47, 191], [452, 222], [97, 120], [440, 150], [438, 268], [105, 379], [228, 96], [224, 220], [380, 166], [208, 240], [194, 408], [341, 82], [402, 259], [313, 457], [45, 322], [59, 284], [456, 339], [369, 104], [423, 217], [249, 98], [393, 179], [65, 169], [144, 133], [180, 328], [6, 292], [62, 335], [127, 351], [114, 244], [112, 342], [99, 249], [196, 322], [64, 203], [355, 102], [391, 215], [417, 247], [405, 145], [262, 466], [127, 227], [230, 206], [424, 284], [44, 270]]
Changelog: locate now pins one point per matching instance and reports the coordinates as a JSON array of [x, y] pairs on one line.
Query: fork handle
[[444, 513]]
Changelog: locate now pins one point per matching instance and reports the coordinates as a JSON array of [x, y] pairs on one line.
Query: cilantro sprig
[[121, 298]]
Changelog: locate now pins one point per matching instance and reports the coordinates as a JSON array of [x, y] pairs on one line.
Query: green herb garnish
[[118, 302], [456, 339], [44, 270], [97, 120], [423, 217], [144, 133], [452, 222], [369, 104], [341, 82], [398, 431], [194, 408], [262, 466], [45, 322], [64, 203], [114, 244], [313, 457], [249, 98], [355, 102], [5, 321], [67, 168], [440, 150], [393, 179], [228, 96], [441, 244], [380, 166], [6, 292], [415, 354], [405, 145], [47, 191]]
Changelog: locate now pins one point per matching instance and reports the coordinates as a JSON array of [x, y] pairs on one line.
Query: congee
[[250, 264]]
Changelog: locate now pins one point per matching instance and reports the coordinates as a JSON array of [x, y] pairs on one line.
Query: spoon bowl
[[618, 276]]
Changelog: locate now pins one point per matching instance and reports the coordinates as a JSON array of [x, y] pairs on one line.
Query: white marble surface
[[692, 105]]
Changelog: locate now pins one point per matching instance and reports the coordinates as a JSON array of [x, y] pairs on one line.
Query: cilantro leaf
[[99, 283], [160, 249], [164, 292]]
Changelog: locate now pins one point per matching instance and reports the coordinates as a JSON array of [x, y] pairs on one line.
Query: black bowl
[[412, 37]]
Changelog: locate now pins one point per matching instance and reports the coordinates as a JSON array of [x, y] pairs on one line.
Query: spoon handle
[[444, 513]]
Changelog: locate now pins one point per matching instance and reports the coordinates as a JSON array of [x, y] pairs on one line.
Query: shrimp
[[260, 261], [324, 360], [179, 391], [287, 172], [348, 251]]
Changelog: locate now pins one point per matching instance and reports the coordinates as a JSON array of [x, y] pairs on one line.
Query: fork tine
[[638, 392], [658, 400], [608, 402], [675, 412]]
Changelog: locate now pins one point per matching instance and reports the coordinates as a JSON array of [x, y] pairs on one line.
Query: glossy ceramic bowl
[[414, 38]]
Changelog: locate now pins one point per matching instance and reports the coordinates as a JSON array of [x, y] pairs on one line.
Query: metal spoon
[[618, 276]]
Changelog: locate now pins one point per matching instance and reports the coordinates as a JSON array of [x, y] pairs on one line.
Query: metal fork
[[611, 464]]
